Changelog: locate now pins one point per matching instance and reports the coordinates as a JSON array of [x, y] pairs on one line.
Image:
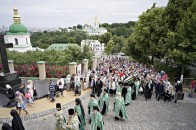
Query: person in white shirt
[[60, 84], [112, 87], [30, 86]]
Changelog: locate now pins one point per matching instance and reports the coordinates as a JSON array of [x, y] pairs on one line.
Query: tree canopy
[[165, 32]]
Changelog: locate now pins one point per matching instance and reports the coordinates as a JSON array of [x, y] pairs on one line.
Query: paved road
[[143, 115]]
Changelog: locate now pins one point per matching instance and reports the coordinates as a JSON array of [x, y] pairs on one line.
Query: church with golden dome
[[18, 35]]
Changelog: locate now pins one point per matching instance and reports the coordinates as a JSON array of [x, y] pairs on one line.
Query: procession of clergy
[[114, 78]]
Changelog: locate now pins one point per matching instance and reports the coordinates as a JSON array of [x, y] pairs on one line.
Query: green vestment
[[91, 103], [119, 105], [60, 120], [119, 89], [137, 85], [104, 98], [128, 97], [82, 118], [96, 121]]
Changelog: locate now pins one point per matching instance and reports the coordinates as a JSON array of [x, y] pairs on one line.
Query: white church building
[[94, 29], [95, 46], [19, 36]]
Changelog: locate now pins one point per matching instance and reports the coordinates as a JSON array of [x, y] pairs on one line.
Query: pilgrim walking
[[104, 102], [99, 85], [80, 112], [119, 107], [128, 96], [16, 121], [6, 126], [96, 120], [72, 121], [92, 102], [60, 118]]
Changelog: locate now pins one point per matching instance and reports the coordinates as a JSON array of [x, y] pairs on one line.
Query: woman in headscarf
[[20, 103], [60, 118], [77, 87], [104, 102], [80, 112], [6, 126], [16, 121]]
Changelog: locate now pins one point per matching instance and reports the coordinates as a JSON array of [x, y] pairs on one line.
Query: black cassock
[[99, 85], [104, 108], [134, 91], [10, 94], [148, 91], [124, 91]]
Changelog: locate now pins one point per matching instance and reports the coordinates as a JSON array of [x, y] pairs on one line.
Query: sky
[[66, 13]]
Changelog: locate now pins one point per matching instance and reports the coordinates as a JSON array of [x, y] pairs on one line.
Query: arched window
[[16, 41], [26, 41]]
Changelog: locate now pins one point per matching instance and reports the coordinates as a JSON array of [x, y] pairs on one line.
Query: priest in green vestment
[[80, 112], [92, 102], [128, 96], [60, 118], [119, 88], [119, 107], [137, 85], [73, 122], [104, 102], [96, 120]]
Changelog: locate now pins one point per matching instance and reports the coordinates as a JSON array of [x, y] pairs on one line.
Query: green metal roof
[[61, 46]]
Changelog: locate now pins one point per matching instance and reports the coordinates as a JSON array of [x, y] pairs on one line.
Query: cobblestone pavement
[[143, 115]]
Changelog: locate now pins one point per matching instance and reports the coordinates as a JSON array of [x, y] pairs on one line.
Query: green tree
[[105, 38], [110, 47], [79, 26], [181, 36], [149, 34]]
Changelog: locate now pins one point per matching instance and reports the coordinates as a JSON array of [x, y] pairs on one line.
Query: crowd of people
[[115, 78]]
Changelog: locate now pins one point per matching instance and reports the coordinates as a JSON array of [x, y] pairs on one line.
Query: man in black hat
[[96, 120], [99, 85], [73, 121]]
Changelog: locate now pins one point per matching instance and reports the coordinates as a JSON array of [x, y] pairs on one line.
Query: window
[[26, 41], [16, 41]]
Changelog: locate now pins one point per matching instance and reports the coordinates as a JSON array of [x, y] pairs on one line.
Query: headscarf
[[16, 122], [8, 86], [6, 126], [78, 102]]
